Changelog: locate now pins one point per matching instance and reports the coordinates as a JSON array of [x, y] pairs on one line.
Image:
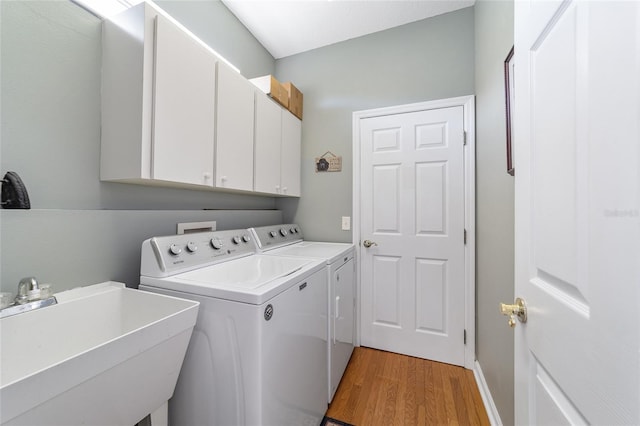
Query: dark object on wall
[[322, 165], [508, 92], [14, 193], [329, 162]]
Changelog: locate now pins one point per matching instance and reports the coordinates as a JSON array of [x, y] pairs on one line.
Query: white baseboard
[[489, 405]]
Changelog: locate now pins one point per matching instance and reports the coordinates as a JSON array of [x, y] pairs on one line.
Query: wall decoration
[[509, 93], [328, 162]]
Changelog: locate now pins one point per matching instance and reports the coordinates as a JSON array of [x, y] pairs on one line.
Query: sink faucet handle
[[25, 286]]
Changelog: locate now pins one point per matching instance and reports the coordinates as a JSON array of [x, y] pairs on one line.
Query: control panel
[[172, 254], [269, 237]]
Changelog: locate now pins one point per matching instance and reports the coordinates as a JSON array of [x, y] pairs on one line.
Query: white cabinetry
[[291, 146], [277, 149], [158, 101], [267, 145], [183, 107], [175, 114], [234, 133]]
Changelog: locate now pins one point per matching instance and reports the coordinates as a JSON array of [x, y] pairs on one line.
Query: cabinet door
[[291, 147], [234, 130], [268, 128], [183, 108]]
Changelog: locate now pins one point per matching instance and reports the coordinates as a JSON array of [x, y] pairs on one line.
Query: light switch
[[346, 223]]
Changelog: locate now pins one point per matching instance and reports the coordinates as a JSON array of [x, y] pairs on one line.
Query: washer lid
[[331, 252], [252, 279], [246, 273]]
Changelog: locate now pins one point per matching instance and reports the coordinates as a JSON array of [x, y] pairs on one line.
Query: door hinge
[[464, 138], [465, 337], [465, 236]]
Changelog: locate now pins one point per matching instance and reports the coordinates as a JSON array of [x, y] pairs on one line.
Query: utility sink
[[104, 355]]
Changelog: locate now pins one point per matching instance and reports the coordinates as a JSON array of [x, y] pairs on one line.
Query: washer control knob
[[174, 249], [217, 243], [236, 239], [283, 232], [273, 234], [293, 230], [191, 247], [246, 238]]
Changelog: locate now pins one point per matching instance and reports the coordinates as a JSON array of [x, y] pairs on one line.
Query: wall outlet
[[346, 223]]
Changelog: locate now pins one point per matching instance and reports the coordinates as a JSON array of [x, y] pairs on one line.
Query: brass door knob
[[517, 310], [369, 243]]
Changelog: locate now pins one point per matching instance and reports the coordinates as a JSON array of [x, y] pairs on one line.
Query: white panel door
[[577, 146], [183, 107], [268, 138], [412, 207], [290, 157], [234, 130]]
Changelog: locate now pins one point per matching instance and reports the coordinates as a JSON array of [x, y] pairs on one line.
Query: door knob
[[369, 243], [519, 310]]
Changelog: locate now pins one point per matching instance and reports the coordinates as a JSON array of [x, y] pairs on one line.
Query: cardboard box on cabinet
[[295, 99], [272, 87]]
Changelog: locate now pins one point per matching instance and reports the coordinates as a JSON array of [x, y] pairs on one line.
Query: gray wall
[[494, 194], [425, 60], [214, 24], [50, 135]]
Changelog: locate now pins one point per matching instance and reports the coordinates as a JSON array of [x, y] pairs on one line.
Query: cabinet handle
[[278, 189], [206, 175], [284, 189]]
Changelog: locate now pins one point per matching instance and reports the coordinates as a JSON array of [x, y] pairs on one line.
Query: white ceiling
[[287, 27]]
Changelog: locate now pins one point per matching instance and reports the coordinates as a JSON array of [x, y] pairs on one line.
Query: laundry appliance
[[258, 353], [288, 241]]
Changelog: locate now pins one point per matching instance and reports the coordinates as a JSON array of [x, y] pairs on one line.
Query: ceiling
[[287, 27]]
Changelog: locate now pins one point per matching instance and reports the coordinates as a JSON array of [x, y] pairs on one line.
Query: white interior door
[[412, 207], [577, 191]]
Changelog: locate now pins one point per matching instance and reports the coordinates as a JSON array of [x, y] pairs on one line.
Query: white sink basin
[[104, 355]]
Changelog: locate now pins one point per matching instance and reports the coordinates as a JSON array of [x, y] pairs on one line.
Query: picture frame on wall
[[509, 102]]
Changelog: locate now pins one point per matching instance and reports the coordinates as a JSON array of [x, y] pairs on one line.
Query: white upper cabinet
[[183, 108], [277, 149], [267, 145], [158, 101], [175, 114], [234, 133], [290, 157]]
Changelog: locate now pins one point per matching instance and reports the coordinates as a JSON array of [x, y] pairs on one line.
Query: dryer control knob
[[217, 243], [273, 234], [174, 249], [293, 230], [191, 247], [283, 232], [236, 240], [246, 238]]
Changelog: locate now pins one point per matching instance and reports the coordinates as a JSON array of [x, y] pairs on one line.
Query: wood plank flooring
[[384, 388]]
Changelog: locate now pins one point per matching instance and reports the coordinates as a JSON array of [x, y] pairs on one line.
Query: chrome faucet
[[25, 286], [30, 296]]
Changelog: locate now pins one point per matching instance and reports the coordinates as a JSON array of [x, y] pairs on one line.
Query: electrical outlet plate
[[346, 223]]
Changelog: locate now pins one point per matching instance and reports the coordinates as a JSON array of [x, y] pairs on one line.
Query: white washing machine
[[257, 355], [288, 241]]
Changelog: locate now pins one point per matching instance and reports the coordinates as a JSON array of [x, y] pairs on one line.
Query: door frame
[[468, 105]]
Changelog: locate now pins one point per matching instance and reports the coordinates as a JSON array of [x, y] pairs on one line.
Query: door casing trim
[[468, 105]]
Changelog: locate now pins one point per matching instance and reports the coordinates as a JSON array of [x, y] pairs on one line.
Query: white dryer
[[257, 355], [287, 240]]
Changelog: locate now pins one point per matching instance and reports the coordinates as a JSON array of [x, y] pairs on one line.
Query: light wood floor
[[384, 388]]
